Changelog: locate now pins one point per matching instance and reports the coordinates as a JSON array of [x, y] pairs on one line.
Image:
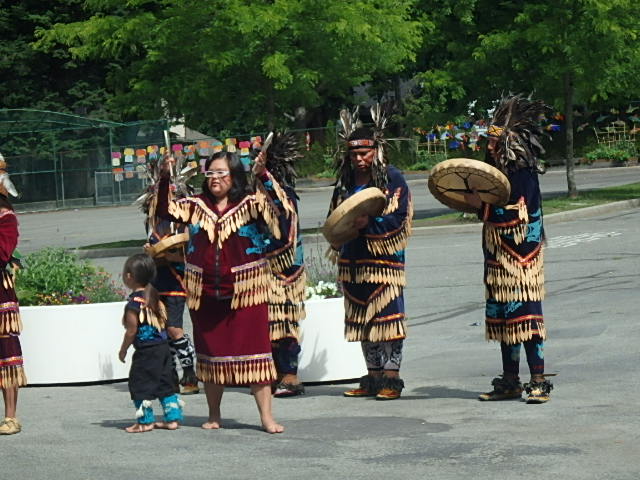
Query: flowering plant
[[321, 275], [53, 276], [322, 290]]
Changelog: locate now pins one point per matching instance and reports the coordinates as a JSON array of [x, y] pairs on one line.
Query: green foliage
[[53, 276], [317, 160], [426, 160], [248, 62], [619, 153], [51, 80]]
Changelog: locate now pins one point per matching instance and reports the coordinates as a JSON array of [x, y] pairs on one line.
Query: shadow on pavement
[[445, 392]]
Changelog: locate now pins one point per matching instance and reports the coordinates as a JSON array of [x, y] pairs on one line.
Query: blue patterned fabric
[[146, 334]]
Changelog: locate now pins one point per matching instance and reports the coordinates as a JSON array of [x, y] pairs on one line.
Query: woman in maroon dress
[[228, 272], [11, 366]]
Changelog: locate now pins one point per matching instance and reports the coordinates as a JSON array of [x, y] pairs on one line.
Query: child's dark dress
[[151, 374]]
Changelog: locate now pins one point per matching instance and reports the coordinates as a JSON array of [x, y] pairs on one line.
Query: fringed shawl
[[512, 242], [376, 258], [252, 279]]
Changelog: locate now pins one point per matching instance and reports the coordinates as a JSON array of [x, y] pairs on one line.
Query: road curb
[[552, 218], [107, 252]]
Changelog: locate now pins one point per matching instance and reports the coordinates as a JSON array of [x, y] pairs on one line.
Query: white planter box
[[73, 343], [326, 356], [80, 343]]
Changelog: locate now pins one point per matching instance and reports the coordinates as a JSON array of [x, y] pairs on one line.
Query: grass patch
[[592, 198]]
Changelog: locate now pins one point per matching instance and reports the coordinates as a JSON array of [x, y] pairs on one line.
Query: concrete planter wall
[[73, 343], [326, 356]]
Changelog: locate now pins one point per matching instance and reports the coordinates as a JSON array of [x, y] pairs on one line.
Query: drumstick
[[267, 142], [167, 143]]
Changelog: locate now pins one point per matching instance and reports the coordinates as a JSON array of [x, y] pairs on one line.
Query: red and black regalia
[[228, 277], [11, 363], [512, 243]]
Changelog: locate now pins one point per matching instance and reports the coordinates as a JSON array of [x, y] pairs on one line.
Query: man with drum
[[371, 265], [512, 245]]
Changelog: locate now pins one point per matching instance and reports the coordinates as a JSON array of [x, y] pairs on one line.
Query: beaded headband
[[495, 131], [361, 143]]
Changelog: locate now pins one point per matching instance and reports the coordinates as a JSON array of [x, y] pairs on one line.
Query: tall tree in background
[[573, 51], [51, 81], [240, 63], [568, 52]]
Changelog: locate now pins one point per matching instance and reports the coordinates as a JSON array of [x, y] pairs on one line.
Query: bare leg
[[392, 373], [10, 396], [214, 397], [175, 333], [262, 394]]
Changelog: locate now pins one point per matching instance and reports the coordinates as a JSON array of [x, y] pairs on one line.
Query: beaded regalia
[[513, 234], [371, 267]]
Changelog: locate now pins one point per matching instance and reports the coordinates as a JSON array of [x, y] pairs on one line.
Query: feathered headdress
[[516, 125], [6, 185], [180, 187], [355, 137], [281, 158]]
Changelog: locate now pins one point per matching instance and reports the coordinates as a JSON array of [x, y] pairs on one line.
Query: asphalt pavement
[[437, 430]]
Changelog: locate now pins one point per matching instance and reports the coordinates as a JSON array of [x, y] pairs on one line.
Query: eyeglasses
[[216, 173]]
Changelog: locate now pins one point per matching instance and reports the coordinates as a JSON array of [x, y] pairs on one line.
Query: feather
[[518, 145], [8, 184], [282, 156], [5, 182]]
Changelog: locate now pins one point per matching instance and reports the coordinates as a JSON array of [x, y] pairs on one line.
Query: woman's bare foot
[[212, 424], [139, 428], [167, 425], [272, 427]]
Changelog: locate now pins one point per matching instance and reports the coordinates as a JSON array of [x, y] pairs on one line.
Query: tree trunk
[[568, 121]]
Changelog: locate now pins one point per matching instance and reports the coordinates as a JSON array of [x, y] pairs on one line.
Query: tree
[[568, 52], [583, 51], [52, 81], [239, 63]]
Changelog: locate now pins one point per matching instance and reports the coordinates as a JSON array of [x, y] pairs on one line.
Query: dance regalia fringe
[[11, 361], [228, 298], [146, 316], [286, 304], [371, 269], [236, 370], [514, 266], [289, 282]]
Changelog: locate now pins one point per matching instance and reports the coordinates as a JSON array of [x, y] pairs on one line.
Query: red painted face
[[362, 158]]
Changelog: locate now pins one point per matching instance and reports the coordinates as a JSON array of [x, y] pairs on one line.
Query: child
[[151, 374]]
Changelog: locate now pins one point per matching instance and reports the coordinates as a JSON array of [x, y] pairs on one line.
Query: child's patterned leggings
[[171, 406]]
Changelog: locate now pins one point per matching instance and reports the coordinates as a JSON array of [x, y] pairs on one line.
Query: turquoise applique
[[534, 229], [193, 229], [258, 239], [512, 307]]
